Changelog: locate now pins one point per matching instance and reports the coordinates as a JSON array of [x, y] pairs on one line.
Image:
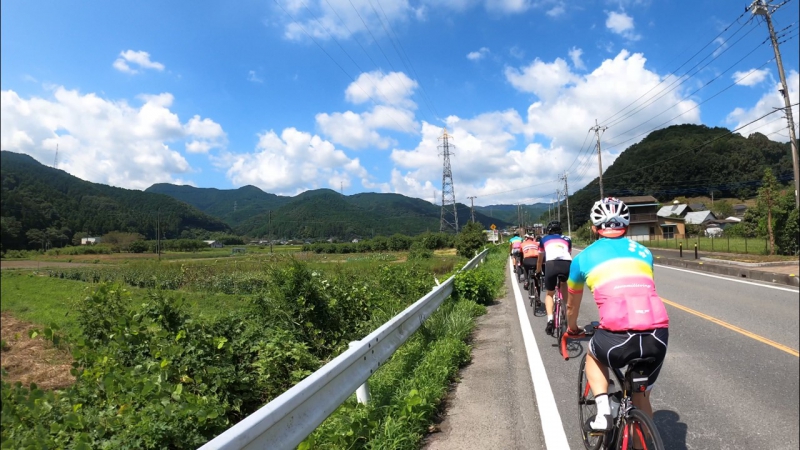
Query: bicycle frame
[[626, 401]]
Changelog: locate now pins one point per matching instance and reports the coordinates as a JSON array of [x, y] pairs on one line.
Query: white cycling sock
[[549, 317], [603, 410]]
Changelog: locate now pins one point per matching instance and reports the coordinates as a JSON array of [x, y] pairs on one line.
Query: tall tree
[[767, 199]]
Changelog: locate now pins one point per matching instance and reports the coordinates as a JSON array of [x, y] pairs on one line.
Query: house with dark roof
[[697, 206], [674, 210], [739, 210], [644, 221]]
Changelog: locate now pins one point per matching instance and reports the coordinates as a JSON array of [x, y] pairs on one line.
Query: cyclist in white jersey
[[555, 252]]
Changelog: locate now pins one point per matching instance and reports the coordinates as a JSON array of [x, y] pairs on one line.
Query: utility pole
[[55, 162], [558, 197], [566, 196], [759, 8], [448, 191], [597, 129], [472, 208], [550, 212], [158, 233], [270, 231]]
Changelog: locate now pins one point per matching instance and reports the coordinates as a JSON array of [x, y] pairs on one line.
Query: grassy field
[[44, 300]]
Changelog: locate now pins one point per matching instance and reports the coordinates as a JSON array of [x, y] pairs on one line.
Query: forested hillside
[[37, 197], [510, 213], [688, 160], [233, 206], [324, 213]]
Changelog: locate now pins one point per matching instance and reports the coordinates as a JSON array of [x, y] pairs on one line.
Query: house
[[90, 240], [644, 221], [699, 217], [674, 210], [354, 241], [739, 210], [697, 206], [671, 227], [214, 244]]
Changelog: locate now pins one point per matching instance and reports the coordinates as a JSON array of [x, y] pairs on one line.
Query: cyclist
[[516, 250], [555, 253], [633, 320], [530, 254]]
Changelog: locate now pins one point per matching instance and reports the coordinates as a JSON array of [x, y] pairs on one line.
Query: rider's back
[[620, 274]]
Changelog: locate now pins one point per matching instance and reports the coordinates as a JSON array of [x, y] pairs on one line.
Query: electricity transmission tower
[[472, 208], [449, 219], [55, 161], [760, 8], [597, 129]]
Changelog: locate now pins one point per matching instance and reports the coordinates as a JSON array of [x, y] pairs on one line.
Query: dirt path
[[32, 360], [25, 264]]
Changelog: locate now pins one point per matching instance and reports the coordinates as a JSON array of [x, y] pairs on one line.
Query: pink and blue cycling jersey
[[556, 247], [619, 273]]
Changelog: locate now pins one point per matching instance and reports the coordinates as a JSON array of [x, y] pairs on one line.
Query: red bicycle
[[632, 429]]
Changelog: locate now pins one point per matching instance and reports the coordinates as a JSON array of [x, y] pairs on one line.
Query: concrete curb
[[744, 264], [731, 270]]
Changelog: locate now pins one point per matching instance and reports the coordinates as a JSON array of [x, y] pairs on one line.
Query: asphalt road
[[720, 388]]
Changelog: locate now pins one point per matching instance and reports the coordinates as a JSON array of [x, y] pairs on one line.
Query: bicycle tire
[[637, 423], [587, 409], [559, 316]]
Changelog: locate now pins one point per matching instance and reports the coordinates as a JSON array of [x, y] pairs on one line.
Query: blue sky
[[290, 95]]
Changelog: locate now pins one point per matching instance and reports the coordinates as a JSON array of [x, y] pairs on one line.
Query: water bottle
[[613, 401]]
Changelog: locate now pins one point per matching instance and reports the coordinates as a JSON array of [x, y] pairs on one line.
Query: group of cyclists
[[619, 272]]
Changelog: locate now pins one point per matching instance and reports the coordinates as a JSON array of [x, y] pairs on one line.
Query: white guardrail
[[288, 419]]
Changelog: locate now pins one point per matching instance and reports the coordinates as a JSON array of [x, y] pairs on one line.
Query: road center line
[[552, 427], [765, 284], [786, 349]]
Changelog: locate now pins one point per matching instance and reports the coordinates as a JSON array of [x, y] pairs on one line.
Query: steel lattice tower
[[449, 219]]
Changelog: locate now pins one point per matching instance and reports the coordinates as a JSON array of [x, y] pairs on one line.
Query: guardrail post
[[362, 393]]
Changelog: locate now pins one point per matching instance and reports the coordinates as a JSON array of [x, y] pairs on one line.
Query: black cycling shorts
[[615, 349], [529, 263], [552, 270]]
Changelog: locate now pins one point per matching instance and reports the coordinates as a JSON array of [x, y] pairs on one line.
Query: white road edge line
[[731, 279], [552, 427]]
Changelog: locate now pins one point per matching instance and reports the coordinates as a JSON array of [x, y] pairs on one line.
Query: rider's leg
[[548, 304], [597, 377]]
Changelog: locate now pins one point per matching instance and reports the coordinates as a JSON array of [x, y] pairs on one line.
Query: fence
[[724, 244], [285, 421]]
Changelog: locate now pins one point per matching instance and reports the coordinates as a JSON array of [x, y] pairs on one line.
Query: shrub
[[470, 240]]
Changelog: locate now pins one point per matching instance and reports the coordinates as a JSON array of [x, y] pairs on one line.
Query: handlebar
[[588, 330]]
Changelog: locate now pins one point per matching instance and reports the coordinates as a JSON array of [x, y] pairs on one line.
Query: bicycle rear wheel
[[560, 314], [587, 408], [639, 433]]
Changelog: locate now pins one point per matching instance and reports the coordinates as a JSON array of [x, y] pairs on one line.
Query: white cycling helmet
[[611, 217]]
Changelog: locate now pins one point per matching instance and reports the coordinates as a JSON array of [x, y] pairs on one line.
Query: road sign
[[493, 227]]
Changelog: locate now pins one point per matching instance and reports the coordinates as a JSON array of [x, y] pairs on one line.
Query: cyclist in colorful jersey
[[555, 253], [516, 249], [633, 320], [530, 255]]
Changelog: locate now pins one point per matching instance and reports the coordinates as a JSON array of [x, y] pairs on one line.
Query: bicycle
[[630, 426], [559, 309], [534, 290]]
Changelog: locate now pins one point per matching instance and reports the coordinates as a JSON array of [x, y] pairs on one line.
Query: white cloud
[[104, 141], [140, 59], [556, 11], [575, 55], [253, 77], [722, 44], [543, 79], [773, 125], [393, 89], [291, 163], [622, 24], [516, 52], [477, 55], [750, 77], [359, 130], [520, 157]]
